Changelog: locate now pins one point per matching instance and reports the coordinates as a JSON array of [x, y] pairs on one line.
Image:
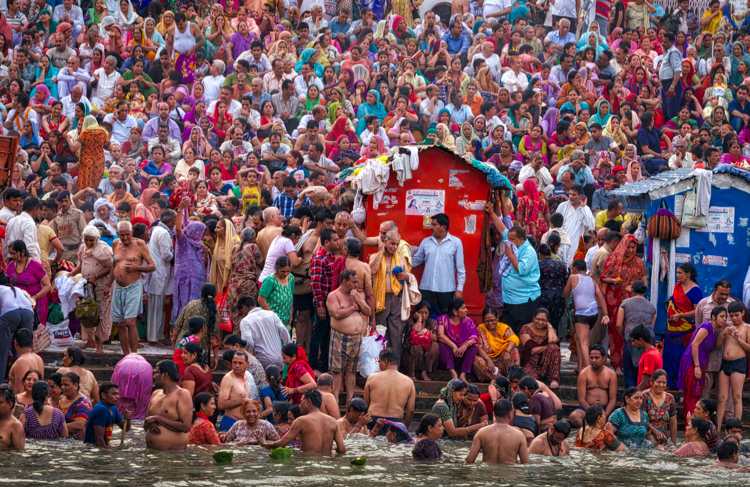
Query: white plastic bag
[[60, 334], [640, 234], [371, 347], [359, 213]]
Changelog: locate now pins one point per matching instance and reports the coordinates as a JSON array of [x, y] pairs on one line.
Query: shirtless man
[[169, 416], [127, 292], [597, 384], [346, 307], [303, 298], [500, 442], [273, 219], [353, 249], [233, 391], [330, 401], [733, 361], [389, 393], [316, 431], [459, 7], [553, 443], [12, 436], [27, 359], [355, 420]]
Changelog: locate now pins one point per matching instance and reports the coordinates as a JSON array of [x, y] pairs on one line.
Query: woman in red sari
[[621, 270], [341, 127], [300, 376], [533, 212]]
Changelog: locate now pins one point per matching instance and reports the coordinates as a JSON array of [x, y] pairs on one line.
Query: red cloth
[[423, 341], [299, 368], [650, 361]]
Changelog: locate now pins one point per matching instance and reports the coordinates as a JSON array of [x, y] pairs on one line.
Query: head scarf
[[477, 25], [485, 81], [613, 37], [472, 137], [735, 77], [597, 118], [381, 147], [402, 431], [728, 13], [583, 139], [126, 20], [427, 140], [220, 275], [161, 27], [90, 123], [47, 95], [629, 177], [112, 223], [145, 200], [446, 394], [310, 104], [350, 84], [447, 139], [365, 109], [34, 134], [305, 58]]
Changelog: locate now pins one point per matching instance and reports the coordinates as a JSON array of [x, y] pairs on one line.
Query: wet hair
[[201, 357], [76, 354], [388, 355], [208, 297], [39, 393], [502, 408], [516, 372], [731, 423], [710, 406], [170, 368], [428, 420], [562, 427], [6, 392], [358, 404], [313, 395], [24, 338], [734, 307], [726, 450], [702, 426], [56, 378], [201, 399], [196, 324], [282, 409], [528, 382], [273, 375], [521, 402], [353, 246], [593, 413], [502, 385]]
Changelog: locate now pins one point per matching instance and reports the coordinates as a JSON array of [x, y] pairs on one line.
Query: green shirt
[[279, 298]]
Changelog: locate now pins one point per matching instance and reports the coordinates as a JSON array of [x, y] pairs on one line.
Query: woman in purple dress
[[29, 274], [429, 431], [41, 421], [457, 337], [189, 263]]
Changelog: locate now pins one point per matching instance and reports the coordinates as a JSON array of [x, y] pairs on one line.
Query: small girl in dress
[[137, 106]]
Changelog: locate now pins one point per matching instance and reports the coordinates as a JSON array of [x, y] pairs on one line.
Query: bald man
[[70, 76], [273, 219]]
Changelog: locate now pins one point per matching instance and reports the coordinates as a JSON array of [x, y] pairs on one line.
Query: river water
[[68, 463]]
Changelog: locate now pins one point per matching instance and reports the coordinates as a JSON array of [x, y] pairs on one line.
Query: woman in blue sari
[[738, 55], [598, 116], [309, 55], [151, 33], [44, 75], [585, 40], [32, 137], [372, 106]]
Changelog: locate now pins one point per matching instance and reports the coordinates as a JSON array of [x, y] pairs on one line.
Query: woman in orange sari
[[577, 80], [680, 320], [621, 270]]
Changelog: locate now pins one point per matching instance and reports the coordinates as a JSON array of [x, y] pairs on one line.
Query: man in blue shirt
[[459, 112], [521, 290], [104, 416], [443, 257], [739, 109], [457, 42], [285, 201], [561, 36], [340, 26]]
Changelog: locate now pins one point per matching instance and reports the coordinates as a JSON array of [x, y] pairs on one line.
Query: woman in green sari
[[46, 25], [518, 122], [307, 103], [95, 14], [465, 143], [600, 116], [147, 86], [738, 55]]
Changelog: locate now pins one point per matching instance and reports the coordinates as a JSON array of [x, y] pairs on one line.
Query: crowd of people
[[190, 162]]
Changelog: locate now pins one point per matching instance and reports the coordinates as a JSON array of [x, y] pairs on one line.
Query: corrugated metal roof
[[728, 169], [653, 183]]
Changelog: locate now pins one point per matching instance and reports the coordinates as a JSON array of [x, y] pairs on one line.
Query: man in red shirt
[[650, 359]]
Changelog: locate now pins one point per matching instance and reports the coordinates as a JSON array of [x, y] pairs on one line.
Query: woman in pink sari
[[134, 376], [28, 274], [457, 339]]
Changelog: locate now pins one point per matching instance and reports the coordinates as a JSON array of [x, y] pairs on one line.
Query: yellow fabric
[[404, 249], [498, 344], [220, 274], [601, 219], [379, 282]]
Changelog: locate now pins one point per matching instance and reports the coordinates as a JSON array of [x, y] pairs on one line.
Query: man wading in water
[[316, 431], [170, 413], [127, 292]]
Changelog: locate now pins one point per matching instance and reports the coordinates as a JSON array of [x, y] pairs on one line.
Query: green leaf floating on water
[[281, 453], [359, 461], [223, 457]]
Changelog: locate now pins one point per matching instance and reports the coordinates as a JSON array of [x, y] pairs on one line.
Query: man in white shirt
[[72, 14], [104, 81], [273, 80], [263, 331], [212, 83], [122, 122], [256, 57], [578, 218], [243, 109], [69, 102], [305, 80], [72, 75], [430, 106], [239, 147], [536, 169], [11, 204], [225, 95], [161, 284], [316, 161], [514, 79], [23, 227]]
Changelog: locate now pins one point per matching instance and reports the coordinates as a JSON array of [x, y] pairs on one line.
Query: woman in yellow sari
[[497, 347], [221, 263], [167, 21]]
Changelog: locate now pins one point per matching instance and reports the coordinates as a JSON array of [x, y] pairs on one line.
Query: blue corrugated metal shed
[[654, 183]]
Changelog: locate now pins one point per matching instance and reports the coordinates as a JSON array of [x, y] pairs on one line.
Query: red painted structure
[[465, 191]]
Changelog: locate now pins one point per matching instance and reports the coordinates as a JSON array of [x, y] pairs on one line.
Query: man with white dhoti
[[161, 247], [95, 259], [578, 218]]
